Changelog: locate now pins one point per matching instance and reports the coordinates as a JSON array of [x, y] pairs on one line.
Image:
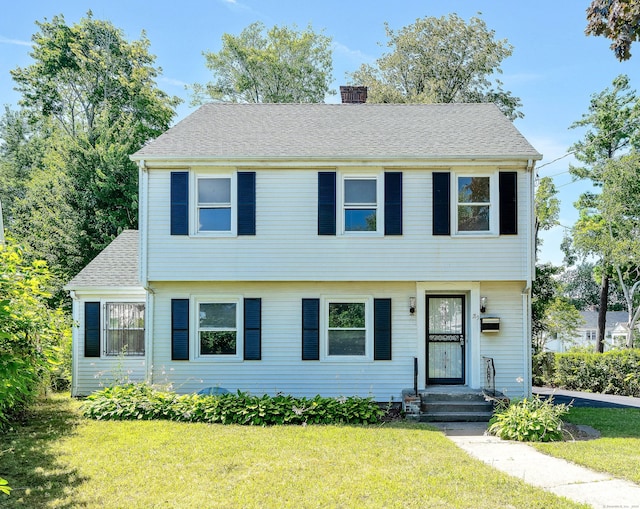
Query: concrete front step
[[455, 416], [454, 404]]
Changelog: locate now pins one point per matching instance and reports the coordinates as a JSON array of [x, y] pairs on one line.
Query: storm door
[[445, 339]]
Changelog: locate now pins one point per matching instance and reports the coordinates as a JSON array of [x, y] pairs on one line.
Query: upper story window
[[211, 204], [214, 204], [124, 328], [481, 204], [361, 203], [474, 204], [475, 209]]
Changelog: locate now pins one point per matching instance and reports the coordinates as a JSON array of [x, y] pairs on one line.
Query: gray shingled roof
[[116, 265], [613, 318], [367, 131]]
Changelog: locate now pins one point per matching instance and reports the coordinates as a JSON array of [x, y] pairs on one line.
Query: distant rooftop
[[116, 265], [613, 318], [362, 131]]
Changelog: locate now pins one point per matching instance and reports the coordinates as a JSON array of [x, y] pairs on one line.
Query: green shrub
[[31, 334], [543, 364], [529, 420], [142, 402], [613, 372]]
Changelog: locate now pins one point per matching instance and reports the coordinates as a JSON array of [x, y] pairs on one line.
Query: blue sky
[[554, 68]]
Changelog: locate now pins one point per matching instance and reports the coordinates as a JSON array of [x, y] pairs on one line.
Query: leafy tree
[[562, 321], [89, 100], [618, 20], [440, 60], [278, 65], [581, 285], [21, 148], [547, 206], [543, 293], [614, 124], [619, 205]]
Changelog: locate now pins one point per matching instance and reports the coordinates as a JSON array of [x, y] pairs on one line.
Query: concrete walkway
[[601, 491]]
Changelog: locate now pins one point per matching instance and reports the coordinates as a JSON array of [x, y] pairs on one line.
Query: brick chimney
[[353, 95]]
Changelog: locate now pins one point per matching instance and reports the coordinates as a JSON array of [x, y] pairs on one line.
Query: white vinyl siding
[[282, 368], [287, 246]]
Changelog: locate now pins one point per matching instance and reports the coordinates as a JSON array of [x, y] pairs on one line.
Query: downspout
[[75, 315], [148, 333], [526, 291], [143, 222], [526, 341]]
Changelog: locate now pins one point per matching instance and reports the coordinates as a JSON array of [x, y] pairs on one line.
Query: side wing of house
[[109, 316]]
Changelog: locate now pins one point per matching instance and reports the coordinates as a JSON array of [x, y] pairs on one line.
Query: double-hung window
[[360, 199], [348, 329], [474, 208], [124, 328], [218, 328], [214, 204]]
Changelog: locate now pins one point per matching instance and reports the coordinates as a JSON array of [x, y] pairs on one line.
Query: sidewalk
[[600, 490]]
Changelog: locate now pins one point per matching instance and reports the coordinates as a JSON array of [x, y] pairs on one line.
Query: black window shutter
[[92, 329], [180, 329], [393, 203], [508, 188], [441, 203], [246, 203], [252, 329], [310, 329], [382, 329], [179, 203], [327, 203]]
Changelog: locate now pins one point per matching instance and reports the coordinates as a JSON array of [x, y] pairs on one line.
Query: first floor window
[[124, 328], [214, 204], [217, 328], [347, 330], [360, 204], [474, 202]]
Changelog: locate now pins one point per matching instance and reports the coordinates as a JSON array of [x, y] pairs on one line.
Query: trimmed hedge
[[142, 402], [614, 372]]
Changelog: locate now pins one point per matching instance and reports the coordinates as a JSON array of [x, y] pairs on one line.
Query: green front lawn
[[63, 460], [616, 452]]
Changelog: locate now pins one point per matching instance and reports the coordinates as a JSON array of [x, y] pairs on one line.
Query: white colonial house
[[345, 249], [615, 333]]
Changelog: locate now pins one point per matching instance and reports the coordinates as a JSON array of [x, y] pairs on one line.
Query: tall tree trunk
[[602, 312]]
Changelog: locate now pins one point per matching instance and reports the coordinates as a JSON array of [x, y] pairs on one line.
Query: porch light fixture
[[483, 304], [412, 305]]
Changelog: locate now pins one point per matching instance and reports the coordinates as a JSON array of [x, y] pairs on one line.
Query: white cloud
[[352, 54], [172, 81], [15, 42]]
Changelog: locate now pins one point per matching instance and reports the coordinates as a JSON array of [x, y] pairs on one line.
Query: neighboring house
[[319, 249], [615, 333]]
